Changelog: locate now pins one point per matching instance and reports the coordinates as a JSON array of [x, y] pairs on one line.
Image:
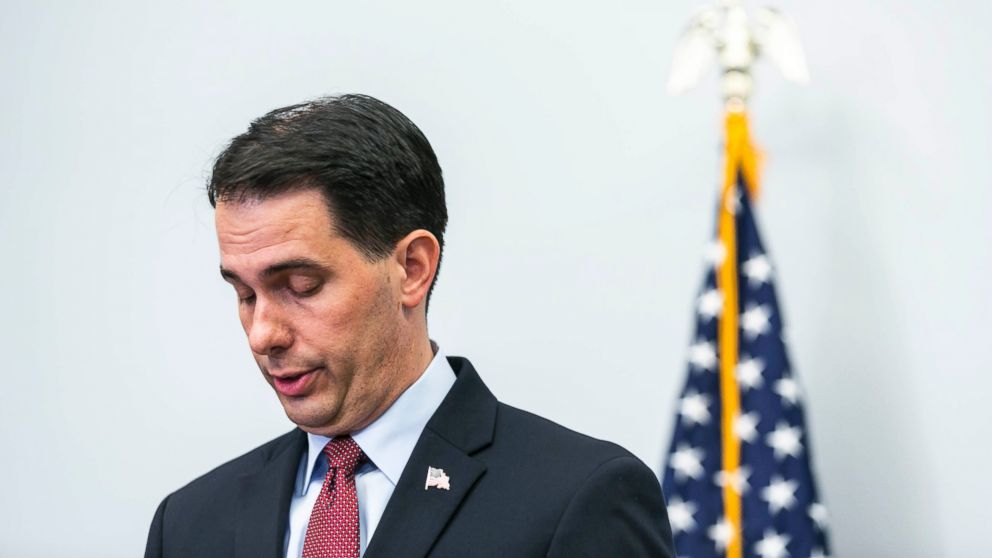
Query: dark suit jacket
[[520, 486]]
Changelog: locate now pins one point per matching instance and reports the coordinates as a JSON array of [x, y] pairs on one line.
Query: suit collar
[[263, 500], [461, 426], [467, 416]]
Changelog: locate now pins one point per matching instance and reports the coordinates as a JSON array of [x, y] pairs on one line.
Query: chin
[[309, 413]]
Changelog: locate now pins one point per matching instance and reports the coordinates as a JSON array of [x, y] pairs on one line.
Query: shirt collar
[[389, 440]]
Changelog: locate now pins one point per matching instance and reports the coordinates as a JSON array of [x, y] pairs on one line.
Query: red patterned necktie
[[333, 528]]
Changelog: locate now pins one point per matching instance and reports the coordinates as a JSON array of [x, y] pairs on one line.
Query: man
[[330, 218]]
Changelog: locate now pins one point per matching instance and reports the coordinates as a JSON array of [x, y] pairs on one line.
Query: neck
[[408, 364]]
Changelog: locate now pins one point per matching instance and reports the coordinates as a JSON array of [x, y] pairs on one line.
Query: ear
[[416, 256]]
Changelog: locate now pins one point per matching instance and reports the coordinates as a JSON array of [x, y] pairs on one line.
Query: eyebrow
[[277, 268]]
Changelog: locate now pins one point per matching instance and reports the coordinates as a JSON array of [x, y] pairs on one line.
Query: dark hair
[[376, 170]]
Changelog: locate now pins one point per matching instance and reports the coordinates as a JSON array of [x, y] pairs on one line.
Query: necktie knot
[[343, 453]]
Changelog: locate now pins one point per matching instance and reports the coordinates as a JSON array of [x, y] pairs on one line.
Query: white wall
[[580, 198]]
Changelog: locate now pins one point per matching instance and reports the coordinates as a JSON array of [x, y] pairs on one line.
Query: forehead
[[254, 232]]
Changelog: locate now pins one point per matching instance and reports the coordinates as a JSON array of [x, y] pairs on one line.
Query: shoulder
[[534, 434], [601, 499], [247, 463], [554, 461], [519, 447], [196, 518], [220, 486], [581, 496]]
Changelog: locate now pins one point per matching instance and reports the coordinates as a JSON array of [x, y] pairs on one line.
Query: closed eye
[[246, 299], [305, 286]]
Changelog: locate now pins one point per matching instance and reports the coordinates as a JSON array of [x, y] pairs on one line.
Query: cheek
[[348, 313], [329, 323], [363, 315]]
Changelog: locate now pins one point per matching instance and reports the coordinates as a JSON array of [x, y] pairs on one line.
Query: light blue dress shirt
[[388, 443]]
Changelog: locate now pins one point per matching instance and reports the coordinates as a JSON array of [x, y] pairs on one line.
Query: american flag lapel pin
[[437, 479]]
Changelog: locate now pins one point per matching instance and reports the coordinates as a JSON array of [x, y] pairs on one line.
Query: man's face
[[320, 318]]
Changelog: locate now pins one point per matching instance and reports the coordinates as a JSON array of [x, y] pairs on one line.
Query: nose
[[269, 332]]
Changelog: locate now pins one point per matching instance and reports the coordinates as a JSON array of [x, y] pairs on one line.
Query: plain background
[[581, 197]]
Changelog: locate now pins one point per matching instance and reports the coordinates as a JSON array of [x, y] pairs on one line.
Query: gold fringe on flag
[[740, 160]]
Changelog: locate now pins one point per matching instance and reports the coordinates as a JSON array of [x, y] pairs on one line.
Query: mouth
[[294, 384]]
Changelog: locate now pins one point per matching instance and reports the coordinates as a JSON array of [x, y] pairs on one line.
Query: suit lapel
[[462, 425], [415, 515], [263, 501]]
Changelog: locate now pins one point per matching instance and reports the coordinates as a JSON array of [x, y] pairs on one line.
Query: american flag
[[738, 479], [438, 479]]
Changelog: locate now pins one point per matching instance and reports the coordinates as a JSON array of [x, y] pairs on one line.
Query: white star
[[680, 515], [746, 426], [780, 494], [702, 355], [785, 440], [758, 269], [754, 321], [818, 513], [749, 372], [722, 532], [715, 253], [733, 200], [818, 553], [710, 304], [687, 462], [773, 545], [788, 390], [694, 408], [735, 479]]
